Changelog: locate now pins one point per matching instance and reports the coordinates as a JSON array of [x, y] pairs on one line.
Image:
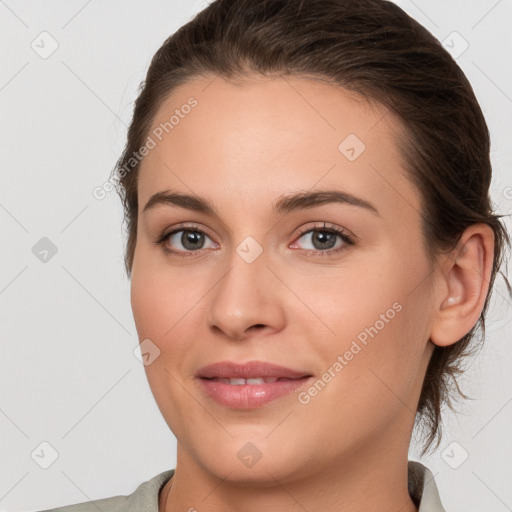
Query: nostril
[[256, 327]]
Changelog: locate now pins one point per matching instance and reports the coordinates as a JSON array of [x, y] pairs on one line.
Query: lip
[[249, 396], [249, 370]]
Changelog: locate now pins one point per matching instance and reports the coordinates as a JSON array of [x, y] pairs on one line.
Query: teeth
[[255, 381], [242, 382]]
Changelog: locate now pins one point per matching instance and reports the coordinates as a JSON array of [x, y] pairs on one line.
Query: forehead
[[262, 137]]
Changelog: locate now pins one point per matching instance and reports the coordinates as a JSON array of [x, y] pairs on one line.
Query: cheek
[[167, 310], [159, 311], [376, 317], [369, 370], [350, 302], [161, 299], [148, 304]]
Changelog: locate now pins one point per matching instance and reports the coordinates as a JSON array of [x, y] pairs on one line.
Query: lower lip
[[250, 396]]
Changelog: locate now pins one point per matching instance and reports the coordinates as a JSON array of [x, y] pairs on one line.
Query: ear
[[463, 285]]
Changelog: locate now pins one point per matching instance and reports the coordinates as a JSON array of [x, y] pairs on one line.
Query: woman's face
[[263, 277]]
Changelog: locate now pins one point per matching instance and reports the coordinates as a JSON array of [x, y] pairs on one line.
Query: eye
[[186, 240], [182, 242], [324, 239]]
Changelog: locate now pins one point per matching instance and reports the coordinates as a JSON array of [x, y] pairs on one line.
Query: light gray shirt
[[422, 489]]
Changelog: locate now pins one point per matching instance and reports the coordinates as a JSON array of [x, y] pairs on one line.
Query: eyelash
[[347, 239]]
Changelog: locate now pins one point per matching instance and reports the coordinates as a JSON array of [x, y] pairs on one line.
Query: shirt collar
[[423, 489]]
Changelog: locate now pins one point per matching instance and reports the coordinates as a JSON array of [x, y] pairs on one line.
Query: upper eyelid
[[326, 225], [186, 227]]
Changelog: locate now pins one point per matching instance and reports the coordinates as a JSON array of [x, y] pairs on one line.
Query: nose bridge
[[247, 262], [244, 296]]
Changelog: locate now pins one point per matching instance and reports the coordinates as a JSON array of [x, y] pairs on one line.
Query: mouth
[[249, 385], [255, 381]]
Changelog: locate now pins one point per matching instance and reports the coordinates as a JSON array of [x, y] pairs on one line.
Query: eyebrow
[[283, 205]]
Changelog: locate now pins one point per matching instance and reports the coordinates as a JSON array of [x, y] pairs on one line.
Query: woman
[[311, 248]]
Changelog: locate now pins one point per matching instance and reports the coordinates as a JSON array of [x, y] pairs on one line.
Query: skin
[[243, 147]]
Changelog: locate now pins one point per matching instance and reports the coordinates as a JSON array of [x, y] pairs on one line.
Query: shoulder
[[144, 498]]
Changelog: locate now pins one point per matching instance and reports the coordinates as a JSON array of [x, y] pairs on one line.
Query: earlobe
[[463, 286]]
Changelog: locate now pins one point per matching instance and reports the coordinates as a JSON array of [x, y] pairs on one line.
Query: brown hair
[[372, 48]]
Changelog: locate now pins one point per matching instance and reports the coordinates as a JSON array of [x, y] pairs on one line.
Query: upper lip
[[249, 370]]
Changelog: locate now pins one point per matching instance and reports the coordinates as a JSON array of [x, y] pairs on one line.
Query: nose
[[247, 299]]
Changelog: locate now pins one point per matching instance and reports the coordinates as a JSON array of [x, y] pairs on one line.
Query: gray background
[[69, 376]]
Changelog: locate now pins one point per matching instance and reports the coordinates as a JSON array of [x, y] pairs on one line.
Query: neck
[[368, 480]]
